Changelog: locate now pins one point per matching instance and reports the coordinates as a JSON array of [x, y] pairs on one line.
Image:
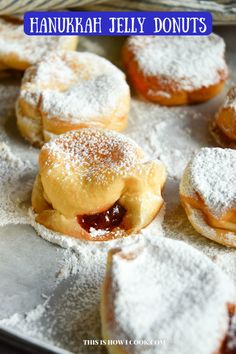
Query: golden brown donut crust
[[69, 91], [223, 127], [167, 91], [221, 229], [86, 172]]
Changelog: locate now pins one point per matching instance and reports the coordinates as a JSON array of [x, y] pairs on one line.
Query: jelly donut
[[19, 51], [95, 184], [223, 127], [176, 70], [68, 91], [208, 194], [165, 298]]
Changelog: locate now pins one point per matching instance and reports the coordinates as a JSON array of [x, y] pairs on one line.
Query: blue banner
[[117, 23]]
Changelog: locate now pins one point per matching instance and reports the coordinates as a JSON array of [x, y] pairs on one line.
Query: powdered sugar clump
[[189, 62], [213, 176], [186, 290], [27, 319]]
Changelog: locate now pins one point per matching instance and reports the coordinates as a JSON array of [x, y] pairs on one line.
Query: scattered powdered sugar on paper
[[84, 247], [25, 320], [185, 289], [8, 94], [191, 62], [9, 90], [176, 226], [72, 312], [213, 175], [150, 126], [69, 266], [16, 180]]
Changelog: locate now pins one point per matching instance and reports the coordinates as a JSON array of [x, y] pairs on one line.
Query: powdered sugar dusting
[[213, 176], [31, 316], [177, 226], [94, 233], [154, 230], [85, 101], [72, 313], [16, 179], [191, 62], [13, 41], [100, 154], [182, 285], [94, 88], [150, 126]]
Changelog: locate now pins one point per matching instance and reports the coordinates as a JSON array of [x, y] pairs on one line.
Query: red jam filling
[[229, 345], [107, 220]]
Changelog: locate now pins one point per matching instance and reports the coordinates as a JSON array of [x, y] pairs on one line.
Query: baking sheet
[[50, 293]]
